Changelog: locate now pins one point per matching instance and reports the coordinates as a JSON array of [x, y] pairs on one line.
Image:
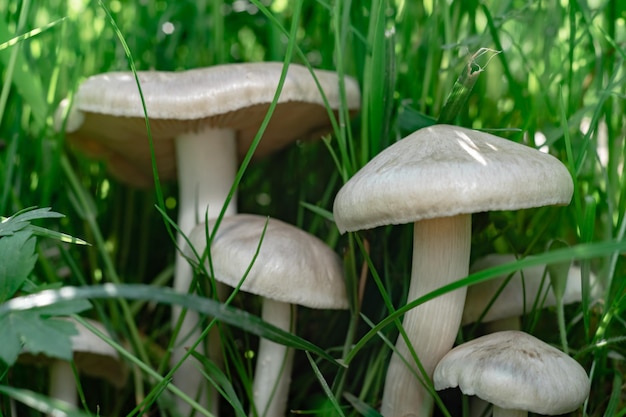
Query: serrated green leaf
[[11, 344], [42, 403], [9, 225], [17, 260], [31, 333], [22, 219]]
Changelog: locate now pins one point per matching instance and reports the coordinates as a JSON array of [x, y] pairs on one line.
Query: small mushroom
[[202, 121], [292, 267], [91, 356], [435, 178], [517, 373]]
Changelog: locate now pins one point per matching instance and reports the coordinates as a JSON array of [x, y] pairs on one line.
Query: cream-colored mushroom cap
[[442, 171], [107, 120], [514, 370], [292, 266]]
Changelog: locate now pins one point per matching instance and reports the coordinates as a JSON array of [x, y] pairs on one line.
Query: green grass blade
[[227, 314]]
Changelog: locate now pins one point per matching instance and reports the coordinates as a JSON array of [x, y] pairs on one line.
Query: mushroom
[[517, 373], [436, 177], [519, 295], [292, 267], [91, 356], [202, 121]]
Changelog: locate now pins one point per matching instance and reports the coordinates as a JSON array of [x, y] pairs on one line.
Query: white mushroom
[[201, 121], [292, 267], [91, 356], [517, 373], [435, 178]]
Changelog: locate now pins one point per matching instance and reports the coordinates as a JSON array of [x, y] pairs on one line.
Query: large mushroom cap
[[442, 171], [292, 266], [517, 371], [108, 118]]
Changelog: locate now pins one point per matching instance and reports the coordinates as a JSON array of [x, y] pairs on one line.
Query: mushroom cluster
[[92, 356], [202, 122], [436, 178]]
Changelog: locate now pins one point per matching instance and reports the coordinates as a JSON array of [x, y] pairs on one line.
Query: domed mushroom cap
[[292, 266], [442, 171], [514, 370], [107, 120]]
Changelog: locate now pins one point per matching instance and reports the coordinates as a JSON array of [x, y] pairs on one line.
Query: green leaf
[[22, 219], [28, 331], [17, 260], [42, 403], [11, 344]]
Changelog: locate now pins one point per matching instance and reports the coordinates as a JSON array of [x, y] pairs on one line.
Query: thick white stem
[[274, 362], [441, 249], [501, 412], [207, 165], [62, 382]]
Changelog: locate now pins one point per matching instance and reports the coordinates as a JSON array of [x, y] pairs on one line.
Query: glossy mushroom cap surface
[[442, 171], [107, 118], [515, 370], [292, 266]]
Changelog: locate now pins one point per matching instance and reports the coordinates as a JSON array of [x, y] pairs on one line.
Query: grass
[[561, 66]]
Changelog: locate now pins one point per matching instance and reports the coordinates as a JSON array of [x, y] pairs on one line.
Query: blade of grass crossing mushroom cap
[[582, 251], [315, 281], [405, 183], [227, 314]]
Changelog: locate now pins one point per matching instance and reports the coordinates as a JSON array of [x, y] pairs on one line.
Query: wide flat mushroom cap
[[442, 171], [107, 118], [292, 266], [517, 371]]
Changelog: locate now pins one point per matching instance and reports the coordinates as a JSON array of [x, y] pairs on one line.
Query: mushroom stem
[[207, 166], [62, 382], [441, 249], [501, 412], [273, 365]]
